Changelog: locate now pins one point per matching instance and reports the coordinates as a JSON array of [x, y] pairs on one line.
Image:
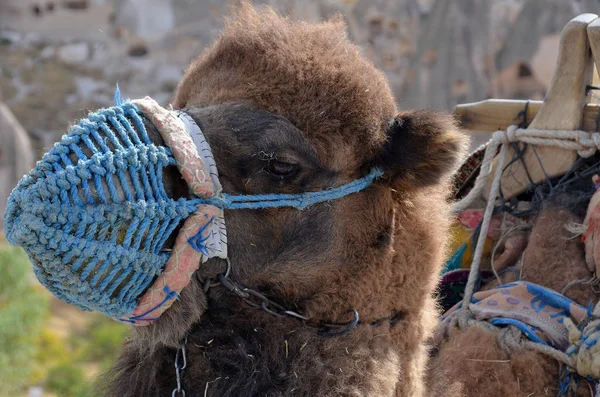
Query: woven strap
[[202, 235]]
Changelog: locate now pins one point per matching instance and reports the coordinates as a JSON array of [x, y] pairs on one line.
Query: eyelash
[[266, 156], [279, 170]]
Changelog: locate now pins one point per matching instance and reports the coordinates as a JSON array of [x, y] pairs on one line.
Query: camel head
[[287, 108]]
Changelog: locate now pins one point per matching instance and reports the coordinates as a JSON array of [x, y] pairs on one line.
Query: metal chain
[[257, 300], [178, 391]]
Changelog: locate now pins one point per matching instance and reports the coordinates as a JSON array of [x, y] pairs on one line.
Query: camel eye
[[279, 170]]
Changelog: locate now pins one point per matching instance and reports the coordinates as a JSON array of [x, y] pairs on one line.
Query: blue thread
[[168, 296], [546, 297], [197, 240], [527, 329], [118, 99]]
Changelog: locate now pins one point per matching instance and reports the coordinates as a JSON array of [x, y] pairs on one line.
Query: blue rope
[[299, 201], [93, 215], [118, 100]]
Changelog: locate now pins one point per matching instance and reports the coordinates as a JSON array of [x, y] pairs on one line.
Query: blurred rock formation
[[16, 155], [61, 58]]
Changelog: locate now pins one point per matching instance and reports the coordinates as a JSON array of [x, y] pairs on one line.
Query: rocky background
[[61, 58]]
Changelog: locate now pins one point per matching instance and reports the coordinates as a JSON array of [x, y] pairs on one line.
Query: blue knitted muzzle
[[93, 214]]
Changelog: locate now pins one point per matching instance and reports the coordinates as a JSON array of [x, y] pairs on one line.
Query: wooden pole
[[497, 114]]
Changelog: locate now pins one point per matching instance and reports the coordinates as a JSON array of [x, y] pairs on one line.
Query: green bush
[[103, 341], [22, 311], [67, 380], [30, 352]]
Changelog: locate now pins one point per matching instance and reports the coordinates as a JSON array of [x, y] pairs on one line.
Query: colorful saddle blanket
[[537, 311]]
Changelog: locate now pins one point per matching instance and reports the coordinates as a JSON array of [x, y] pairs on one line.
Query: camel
[[290, 107], [342, 301]]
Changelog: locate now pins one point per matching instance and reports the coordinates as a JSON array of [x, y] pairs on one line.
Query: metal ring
[[264, 306], [264, 299], [226, 275], [177, 361], [252, 304], [294, 314], [233, 287], [183, 354], [208, 283], [348, 327]]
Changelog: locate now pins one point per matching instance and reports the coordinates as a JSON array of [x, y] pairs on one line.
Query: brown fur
[[308, 73], [553, 258], [272, 90], [473, 364]]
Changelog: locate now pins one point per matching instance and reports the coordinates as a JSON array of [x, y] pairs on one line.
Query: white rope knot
[[510, 135], [510, 339], [590, 143]]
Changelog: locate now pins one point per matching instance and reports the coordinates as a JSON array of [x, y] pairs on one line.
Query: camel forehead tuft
[[309, 73]]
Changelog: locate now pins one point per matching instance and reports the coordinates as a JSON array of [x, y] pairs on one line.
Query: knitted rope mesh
[[93, 215]]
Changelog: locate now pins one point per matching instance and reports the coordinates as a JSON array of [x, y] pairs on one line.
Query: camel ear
[[423, 148]]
